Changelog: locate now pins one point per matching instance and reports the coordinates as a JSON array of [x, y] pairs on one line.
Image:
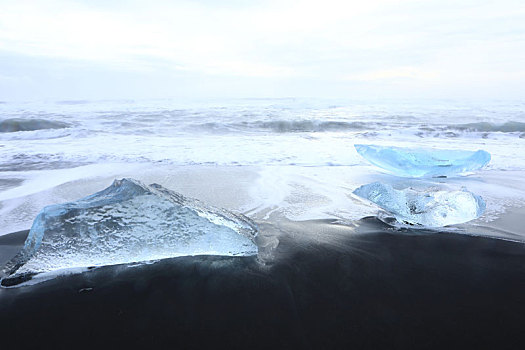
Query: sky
[[72, 49]]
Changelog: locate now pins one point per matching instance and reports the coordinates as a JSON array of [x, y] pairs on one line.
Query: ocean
[[285, 158]]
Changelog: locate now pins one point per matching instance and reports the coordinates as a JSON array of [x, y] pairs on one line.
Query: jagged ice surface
[[420, 162], [430, 207], [129, 222]]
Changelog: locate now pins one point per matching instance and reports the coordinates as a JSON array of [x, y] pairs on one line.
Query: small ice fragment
[[420, 162], [125, 223], [429, 208]]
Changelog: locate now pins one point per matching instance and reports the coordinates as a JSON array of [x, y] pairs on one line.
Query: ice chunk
[[420, 162], [125, 223], [430, 207]]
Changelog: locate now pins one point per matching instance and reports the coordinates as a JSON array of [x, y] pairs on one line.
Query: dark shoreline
[[375, 288]]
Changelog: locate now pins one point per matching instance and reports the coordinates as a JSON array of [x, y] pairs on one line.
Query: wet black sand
[[373, 288]]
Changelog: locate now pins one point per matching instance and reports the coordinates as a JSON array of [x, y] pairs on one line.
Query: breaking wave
[[510, 126], [483, 129], [291, 126], [17, 124], [310, 126]]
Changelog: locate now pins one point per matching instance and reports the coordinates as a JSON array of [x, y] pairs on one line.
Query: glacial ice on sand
[[430, 207], [125, 223], [420, 162]]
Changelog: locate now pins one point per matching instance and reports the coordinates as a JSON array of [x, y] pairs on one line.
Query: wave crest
[[18, 124], [289, 126], [511, 126]]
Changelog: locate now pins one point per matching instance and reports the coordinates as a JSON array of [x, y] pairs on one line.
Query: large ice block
[[129, 222], [421, 162], [430, 207]]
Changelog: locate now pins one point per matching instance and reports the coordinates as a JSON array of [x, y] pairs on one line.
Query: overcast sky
[[66, 49]]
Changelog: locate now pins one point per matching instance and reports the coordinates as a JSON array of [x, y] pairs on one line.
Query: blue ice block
[[429, 207], [421, 162], [125, 223]]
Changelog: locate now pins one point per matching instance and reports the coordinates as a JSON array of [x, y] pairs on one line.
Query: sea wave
[[289, 126], [18, 124], [313, 125], [483, 129], [310, 125], [73, 102], [27, 162], [510, 126]]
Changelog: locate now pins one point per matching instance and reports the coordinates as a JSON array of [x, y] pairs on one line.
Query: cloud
[[285, 43], [396, 73]]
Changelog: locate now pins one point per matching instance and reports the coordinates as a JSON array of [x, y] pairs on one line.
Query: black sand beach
[[351, 172], [323, 286]]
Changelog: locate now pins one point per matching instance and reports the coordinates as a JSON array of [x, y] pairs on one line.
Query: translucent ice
[[129, 222], [430, 207], [419, 162]]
